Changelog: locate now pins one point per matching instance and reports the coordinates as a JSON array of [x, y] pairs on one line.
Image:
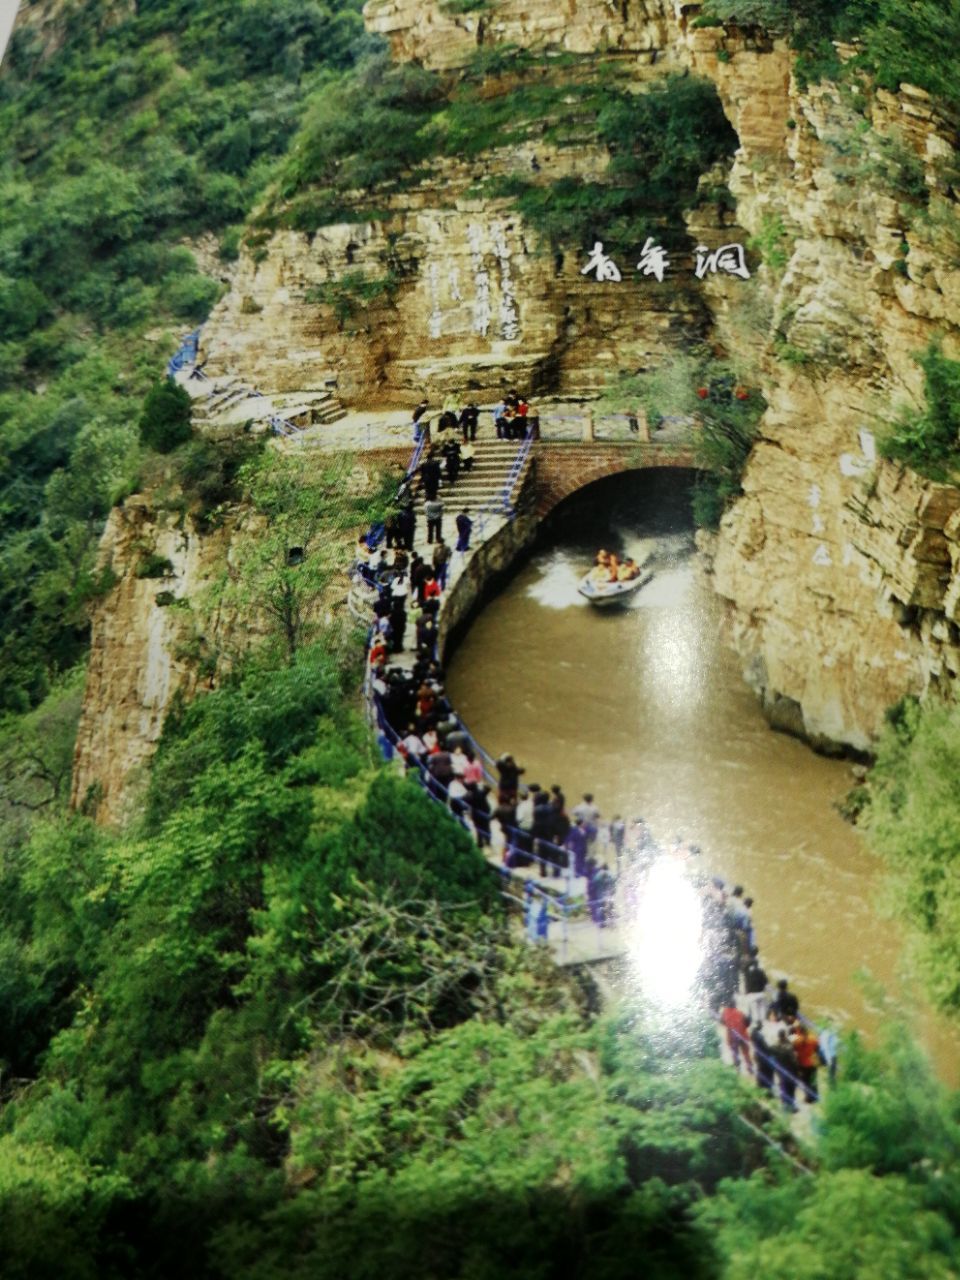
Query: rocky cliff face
[[840, 569], [166, 629], [147, 644], [841, 572], [440, 37], [475, 300]]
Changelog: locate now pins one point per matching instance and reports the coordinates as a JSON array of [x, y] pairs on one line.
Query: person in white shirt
[[414, 746]]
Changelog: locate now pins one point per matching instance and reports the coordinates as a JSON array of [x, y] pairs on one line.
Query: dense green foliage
[[276, 1025], [928, 439], [660, 143], [913, 820], [119, 144], [165, 420], [726, 413], [900, 41], [386, 122]]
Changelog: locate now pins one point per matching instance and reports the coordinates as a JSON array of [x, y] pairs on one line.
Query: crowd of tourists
[[765, 1033], [535, 828], [514, 417], [532, 824]]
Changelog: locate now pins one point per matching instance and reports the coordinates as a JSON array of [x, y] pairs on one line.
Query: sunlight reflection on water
[[665, 937]]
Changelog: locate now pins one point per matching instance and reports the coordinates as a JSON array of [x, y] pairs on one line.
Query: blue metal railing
[[185, 354]]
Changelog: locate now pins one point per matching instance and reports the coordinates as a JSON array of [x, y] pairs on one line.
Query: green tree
[[913, 821], [165, 420]]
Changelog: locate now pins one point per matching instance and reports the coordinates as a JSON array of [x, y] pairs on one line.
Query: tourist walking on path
[[430, 476], [761, 1057], [787, 1068], [469, 421], [408, 524], [433, 510], [806, 1046], [451, 453], [464, 529], [441, 562], [736, 1024], [508, 774], [480, 811], [590, 814], [785, 1004], [576, 845], [618, 832], [755, 987]]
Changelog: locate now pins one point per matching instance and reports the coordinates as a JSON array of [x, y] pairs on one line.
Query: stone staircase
[[480, 490], [228, 400]]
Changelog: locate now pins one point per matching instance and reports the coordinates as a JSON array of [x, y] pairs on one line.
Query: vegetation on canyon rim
[[276, 1025]]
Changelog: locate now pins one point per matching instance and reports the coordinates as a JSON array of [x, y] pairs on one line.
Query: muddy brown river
[[645, 707]]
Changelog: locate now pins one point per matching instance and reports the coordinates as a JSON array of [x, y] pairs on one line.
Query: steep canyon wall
[[841, 572]]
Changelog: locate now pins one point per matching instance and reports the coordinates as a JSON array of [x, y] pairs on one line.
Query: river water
[[646, 708]]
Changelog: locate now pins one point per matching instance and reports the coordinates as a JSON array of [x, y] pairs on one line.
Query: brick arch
[[562, 469]]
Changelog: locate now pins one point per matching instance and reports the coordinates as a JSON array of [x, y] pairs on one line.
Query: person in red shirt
[[378, 652], [737, 1025], [431, 588]]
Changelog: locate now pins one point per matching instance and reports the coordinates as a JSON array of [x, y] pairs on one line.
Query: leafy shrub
[[928, 440], [353, 291], [368, 134], [772, 242], [165, 420], [660, 142], [728, 413]]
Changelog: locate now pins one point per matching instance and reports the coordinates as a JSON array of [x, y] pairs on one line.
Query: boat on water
[[603, 594]]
